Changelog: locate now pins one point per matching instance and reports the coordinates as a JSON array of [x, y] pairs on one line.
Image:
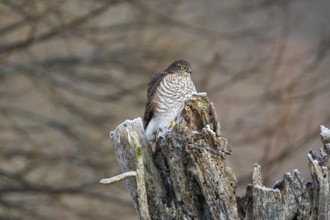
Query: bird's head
[[180, 66]]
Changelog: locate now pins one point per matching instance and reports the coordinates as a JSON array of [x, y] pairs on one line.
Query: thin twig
[[118, 178]]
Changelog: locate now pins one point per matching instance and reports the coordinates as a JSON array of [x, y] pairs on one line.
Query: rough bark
[[186, 176]]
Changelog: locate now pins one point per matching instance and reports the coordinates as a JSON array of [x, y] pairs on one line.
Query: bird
[[165, 97]]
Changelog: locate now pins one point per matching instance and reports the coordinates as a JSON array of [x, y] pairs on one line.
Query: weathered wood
[[192, 160], [319, 166], [289, 199], [126, 156], [292, 197], [138, 174], [187, 177]]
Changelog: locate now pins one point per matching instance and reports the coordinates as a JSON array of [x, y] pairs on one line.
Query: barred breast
[[170, 95]]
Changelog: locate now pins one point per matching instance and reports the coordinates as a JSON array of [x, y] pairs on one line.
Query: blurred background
[[71, 71]]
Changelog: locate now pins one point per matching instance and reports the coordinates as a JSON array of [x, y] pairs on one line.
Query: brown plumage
[[150, 105], [165, 97]]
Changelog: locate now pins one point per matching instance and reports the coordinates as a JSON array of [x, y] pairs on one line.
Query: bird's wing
[[152, 88]]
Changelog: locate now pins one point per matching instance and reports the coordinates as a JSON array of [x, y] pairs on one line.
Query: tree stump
[[186, 176]]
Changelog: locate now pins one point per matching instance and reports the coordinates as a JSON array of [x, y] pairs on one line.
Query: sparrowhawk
[[165, 97]]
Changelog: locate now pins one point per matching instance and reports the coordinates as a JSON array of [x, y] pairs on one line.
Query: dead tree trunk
[[187, 177]]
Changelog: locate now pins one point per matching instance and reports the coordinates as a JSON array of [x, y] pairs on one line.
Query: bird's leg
[[171, 125]]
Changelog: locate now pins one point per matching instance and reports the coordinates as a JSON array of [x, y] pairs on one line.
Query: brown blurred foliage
[[71, 71]]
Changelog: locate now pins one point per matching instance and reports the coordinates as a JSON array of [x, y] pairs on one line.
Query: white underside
[[153, 126]]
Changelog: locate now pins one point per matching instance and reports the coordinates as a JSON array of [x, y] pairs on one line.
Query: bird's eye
[[182, 68]]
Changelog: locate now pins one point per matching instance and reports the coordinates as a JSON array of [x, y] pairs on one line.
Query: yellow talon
[[171, 125]]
